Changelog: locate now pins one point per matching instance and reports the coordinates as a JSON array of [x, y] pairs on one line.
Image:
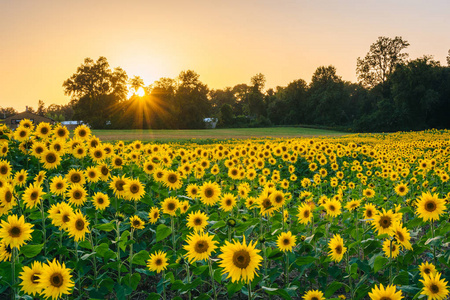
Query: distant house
[[210, 122], [13, 121]]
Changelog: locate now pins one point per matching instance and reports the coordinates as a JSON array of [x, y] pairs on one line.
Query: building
[[13, 121]]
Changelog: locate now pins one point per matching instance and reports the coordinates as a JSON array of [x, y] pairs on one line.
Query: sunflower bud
[[262, 240], [231, 222]]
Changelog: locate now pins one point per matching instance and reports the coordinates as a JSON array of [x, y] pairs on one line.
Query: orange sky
[[227, 42]]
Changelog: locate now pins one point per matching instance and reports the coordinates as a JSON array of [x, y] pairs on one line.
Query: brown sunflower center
[[134, 188], [50, 158], [91, 174], [332, 207], [400, 236], [98, 154], [34, 195], [75, 178], [427, 271], [171, 206], [279, 199], [104, 170], [79, 224], [241, 259], [385, 222], [266, 203], [82, 133], [286, 242], [77, 195], [44, 130], [65, 218], [401, 189], [209, 192], [228, 202], [198, 221], [369, 213], [100, 200], [4, 169], [158, 262], [56, 280], [8, 196], [39, 150], [119, 185], [59, 185], [61, 132], [136, 223], [155, 215], [338, 249], [34, 278], [201, 246], [430, 206], [434, 289], [15, 231], [314, 298], [23, 133], [172, 178]]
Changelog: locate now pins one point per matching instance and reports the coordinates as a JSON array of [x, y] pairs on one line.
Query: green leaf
[[304, 260], [162, 231], [277, 292], [31, 250], [102, 249], [199, 270], [218, 224], [141, 258], [105, 227], [379, 263], [332, 288], [234, 287]]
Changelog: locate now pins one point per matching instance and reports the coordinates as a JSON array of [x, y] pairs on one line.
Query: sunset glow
[[43, 42]]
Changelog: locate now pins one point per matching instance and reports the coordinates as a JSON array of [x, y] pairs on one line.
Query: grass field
[[238, 133]]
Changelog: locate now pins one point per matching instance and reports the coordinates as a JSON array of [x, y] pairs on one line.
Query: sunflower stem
[[164, 284], [188, 279], [349, 274], [13, 272], [78, 270], [211, 272], [250, 296], [118, 250], [131, 255], [286, 274], [44, 233], [434, 246], [172, 227], [93, 259], [390, 261]]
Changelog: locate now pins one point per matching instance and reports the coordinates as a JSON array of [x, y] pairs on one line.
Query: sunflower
[[55, 280], [32, 195], [427, 269], [5, 168], [5, 252], [58, 185], [15, 231], [369, 193], [59, 146], [76, 176], [391, 248], [388, 293], [61, 214], [7, 199], [266, 205], [50, 159], [170, 206], [104, 171], [30, 277], [79, 151], [384, 221], [184, 206], [401, 189], [337, 249], [333, 207], [100, 201], [240, 260], [136, 222], [21, 134], [313, 295], [61, 132], [430, 207], [133, 190], [43, 130], [154, 215], [98, 153], [77, 195], [227, 202], [402, 235], [20, 178], [304, 213], [157, 262], [78, 226], [434, 287], [210, 193], [286, 241], [197, 220], [352, 204], [172, 180], [117, 183], [149, 167], [199, 246], [278, 198], [82, 132], [370, 211], [92, 174], [192, 191]]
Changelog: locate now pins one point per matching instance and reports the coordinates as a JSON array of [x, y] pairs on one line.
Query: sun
[[140, 92]]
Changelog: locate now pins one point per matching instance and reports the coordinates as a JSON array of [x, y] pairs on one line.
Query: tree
[[448, 58], [7, 112], [191, 100], [41, 108], [256, 105], [136, 82], [226, 115], [96, 91], [381, 61]]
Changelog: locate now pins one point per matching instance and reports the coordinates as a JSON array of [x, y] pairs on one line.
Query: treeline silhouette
[[393, 93]]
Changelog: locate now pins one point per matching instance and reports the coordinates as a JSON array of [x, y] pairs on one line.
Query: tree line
[[392, 93]]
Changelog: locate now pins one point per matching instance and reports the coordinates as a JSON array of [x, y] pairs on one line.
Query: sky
[[226, 42]]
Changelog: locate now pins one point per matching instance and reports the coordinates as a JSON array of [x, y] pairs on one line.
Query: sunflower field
[[350, 217]]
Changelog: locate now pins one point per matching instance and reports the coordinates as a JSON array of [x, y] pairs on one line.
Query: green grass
[[201, 134]]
